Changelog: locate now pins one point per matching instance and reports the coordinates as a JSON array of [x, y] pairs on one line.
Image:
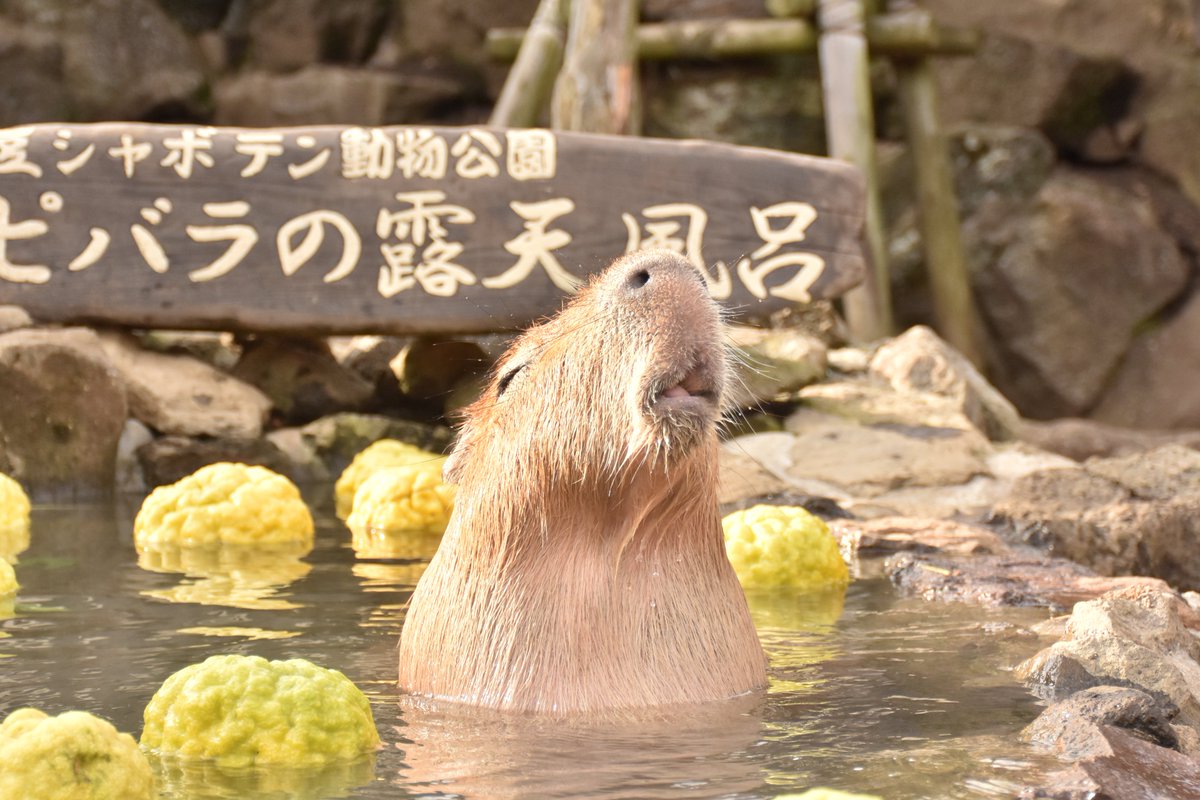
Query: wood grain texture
[[398, 229]]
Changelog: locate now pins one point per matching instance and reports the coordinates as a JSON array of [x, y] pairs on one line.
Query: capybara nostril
[[639, 278]]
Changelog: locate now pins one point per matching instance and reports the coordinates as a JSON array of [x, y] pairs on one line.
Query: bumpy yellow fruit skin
[[74, 756], [245, 710], [14, 518], [408, 498], [380, 455], [783, 546], [8, 579], [223, 504]]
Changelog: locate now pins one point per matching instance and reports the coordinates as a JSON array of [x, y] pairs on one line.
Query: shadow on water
[[868, 691]]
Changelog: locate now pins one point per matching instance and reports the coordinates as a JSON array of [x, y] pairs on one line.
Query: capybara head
[[584, 567], [626, 380]]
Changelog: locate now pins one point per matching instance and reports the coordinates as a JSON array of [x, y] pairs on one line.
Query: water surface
[[870, 692]]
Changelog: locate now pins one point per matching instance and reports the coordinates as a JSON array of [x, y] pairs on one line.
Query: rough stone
[[1068, 95], [429, 368], [63, 411], [773, 363], [13, 318], [336, 439], [1171, 116], [887, 535], [867, 460], [1068, 287], [1125, 766], [169, 458], [1011, 579], [1153, 387], [1069, 727], [31, 75], [873, 402], [849, 360], [328, 95], [737, 105], [1081, 439], [1137, 636], [1136, 514], [301, 377], [129, 478], [221, 350], [126, 59], [182, 396], [286, 35], [920, 361]]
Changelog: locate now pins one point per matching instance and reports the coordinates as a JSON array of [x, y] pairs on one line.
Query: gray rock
[[182, 396], [128, 478], [771, 363], [1125, 766], [1070, 727], [1124, 515], [867, 460], [328, 95], [336, 439], [221, 350], [918, 360], [286, 35], [887, 535], [1171, 115], [1066, 287], [727, 104], [169, 458], [849, 360], [31, 75], [428, 368], [1007, 579], [1081, 439], [63, 412], [1137, 636], [1153, 388], [13, 318], [301, 377], [126, 59], [1053, 87], [874, 402]]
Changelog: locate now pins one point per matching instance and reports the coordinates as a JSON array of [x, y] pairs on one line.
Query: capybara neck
[[584, 567]]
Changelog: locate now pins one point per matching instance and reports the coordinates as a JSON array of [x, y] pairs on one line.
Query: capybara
[[584, 566]]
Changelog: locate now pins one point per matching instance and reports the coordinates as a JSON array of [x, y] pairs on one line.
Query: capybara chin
[[584, 567]]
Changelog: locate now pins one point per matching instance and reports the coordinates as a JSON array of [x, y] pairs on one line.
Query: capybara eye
[[507, 378], [639, 279]]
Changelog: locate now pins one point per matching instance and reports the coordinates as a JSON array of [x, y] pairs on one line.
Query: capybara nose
[[654, 269]]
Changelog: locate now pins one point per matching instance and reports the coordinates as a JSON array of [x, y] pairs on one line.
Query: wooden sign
[[398, 229]]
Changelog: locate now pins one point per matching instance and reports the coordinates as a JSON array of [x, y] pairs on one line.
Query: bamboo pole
[[945, 259], [529, 83], [791, 8], [850, 131], [887, 35], [597, 89]]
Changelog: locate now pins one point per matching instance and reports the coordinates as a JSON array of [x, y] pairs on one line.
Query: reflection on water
[[239, 576], [868, 692]]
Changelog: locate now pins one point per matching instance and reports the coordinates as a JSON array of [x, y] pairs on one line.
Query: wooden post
[[850, 130], [529, 83], [898, 35], [597, 90], [945, 259]]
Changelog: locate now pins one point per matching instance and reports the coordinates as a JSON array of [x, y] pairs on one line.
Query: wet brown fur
[[584, 567]]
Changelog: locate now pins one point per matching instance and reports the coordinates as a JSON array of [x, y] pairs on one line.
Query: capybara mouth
[[692, 389]]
